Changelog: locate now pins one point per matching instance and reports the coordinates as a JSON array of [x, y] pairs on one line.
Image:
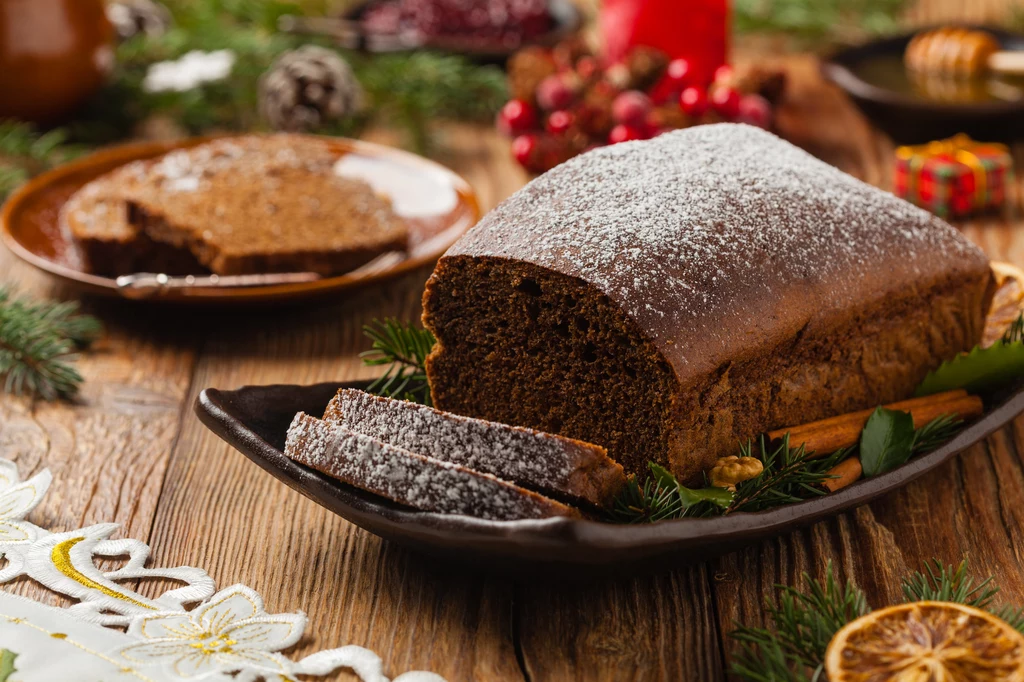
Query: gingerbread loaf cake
[[672, 298], [412, 479], [240, 205], [553, 465]]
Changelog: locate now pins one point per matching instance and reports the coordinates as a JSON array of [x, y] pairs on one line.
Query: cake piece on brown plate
[[540, 461], [670, 299], [412, 479], [239, 205]]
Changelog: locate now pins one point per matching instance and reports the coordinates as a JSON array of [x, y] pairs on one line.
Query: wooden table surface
[[132, 451]]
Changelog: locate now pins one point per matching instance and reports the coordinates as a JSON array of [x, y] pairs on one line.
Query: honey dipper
[[958, 51]]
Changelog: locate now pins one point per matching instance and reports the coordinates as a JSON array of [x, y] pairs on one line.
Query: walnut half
[[728, 471]]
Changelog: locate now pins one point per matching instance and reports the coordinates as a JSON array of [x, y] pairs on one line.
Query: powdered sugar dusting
[[701, 232], [408, 478], [525, 456]]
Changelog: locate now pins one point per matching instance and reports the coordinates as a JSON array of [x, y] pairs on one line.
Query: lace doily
[[115, 634]]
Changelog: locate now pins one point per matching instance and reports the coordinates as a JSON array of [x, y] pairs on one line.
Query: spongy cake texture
[[239, 205], [668, 299], [551, 464], [412, 479]]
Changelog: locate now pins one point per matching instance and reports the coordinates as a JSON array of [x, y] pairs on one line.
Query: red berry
[[726, 101], [679, 71], [554, 93], [631, 108], [516, 117], [523, 149], [723, 75], [587, 68], [756, 111], [559, 122], [694, 102], [625, 133]]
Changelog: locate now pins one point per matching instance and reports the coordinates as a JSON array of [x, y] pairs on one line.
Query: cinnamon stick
[[829, 435], [848, 471]]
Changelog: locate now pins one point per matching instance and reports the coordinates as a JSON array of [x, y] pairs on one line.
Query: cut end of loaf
[[545, 351]]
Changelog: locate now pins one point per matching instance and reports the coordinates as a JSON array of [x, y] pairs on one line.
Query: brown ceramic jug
[[53, 55]]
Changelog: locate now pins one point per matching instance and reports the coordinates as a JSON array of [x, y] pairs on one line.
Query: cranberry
[[559, 122], [679, 71], [631, 108], [587, 68], [625, 133], [516, 117], [756, 111], [524, 150], [726, 101], [724, 75], [694, 101], [554, 93]]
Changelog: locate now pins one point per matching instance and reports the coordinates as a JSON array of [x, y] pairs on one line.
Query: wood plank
[[659, 627], [108, 450]]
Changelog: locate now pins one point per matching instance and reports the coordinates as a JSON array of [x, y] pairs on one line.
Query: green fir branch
[[789, 475], [939, 582], [817, 21], [24, 152], [646, 503], [38, 341], [803, 621], [1015, 332], [404, 348], [936, 432]]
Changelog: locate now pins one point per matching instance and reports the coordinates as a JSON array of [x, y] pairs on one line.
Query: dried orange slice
[[1007, 302], [926, 641]]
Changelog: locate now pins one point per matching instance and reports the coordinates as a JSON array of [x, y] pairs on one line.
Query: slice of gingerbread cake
[[239, 205], [412, 479], [541, 461]]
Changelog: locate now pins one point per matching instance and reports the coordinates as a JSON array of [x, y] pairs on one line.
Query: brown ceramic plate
[[914, 111], [254, 419], [437, 204], [566, 20]]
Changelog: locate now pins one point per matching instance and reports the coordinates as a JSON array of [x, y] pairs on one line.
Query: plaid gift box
[[955, 177]]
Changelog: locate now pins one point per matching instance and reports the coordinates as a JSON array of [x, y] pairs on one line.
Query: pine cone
[[308, 88], [134, 17], [646, 65]]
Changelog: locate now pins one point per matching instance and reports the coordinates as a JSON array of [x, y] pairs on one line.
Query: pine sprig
[[789, 475], [404, 348], [25, 152], [1015, 332], [935, 433], [38, 341], [939, 582], [803, 622]]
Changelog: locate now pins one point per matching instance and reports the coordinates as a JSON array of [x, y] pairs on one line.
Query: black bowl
[[254, 419], [910, 118]]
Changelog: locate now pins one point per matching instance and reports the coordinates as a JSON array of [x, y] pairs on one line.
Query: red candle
[[693, 29]]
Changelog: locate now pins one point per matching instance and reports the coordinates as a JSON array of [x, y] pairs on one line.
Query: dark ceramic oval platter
[[254, 419], [873, 75]]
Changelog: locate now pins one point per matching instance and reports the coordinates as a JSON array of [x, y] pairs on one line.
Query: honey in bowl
[[888, 71]]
